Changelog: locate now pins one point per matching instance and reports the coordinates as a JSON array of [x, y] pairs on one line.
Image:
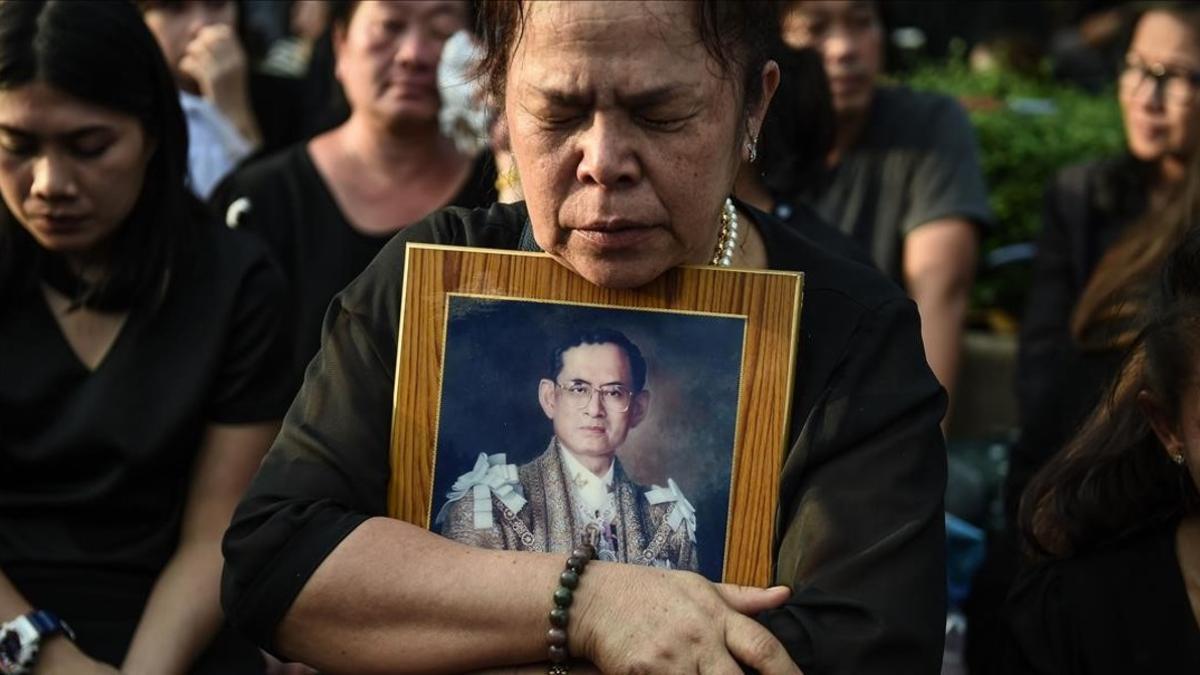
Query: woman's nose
[[53, 178], [608, 158]]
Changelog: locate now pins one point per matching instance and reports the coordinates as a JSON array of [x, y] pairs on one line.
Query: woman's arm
[[183, 612], [394, 598]]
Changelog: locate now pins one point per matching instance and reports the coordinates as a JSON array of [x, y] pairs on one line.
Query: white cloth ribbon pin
[[683, 510], [492, 475]]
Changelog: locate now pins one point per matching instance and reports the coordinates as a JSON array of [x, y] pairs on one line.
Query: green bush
[[1028, 128]]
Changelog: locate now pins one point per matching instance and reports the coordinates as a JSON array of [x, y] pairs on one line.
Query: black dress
[[289, 204], [1117, 612], [95, 465], [861, 535]]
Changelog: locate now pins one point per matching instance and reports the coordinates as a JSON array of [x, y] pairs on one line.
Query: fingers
[[722, 664], [752, 600], [215, 47], [754, 647]]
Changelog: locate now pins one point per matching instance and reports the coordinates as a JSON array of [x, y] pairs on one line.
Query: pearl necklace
[[727, 240]]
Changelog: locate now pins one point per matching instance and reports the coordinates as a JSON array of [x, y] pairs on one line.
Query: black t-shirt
[[290, 205], [916, 162], [861, 525], [95, 465], [1119, 611]]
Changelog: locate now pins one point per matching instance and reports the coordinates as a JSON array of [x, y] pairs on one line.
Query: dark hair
[[800, 125], [101, 52], [1114, 479], [601, 336], [735, 33], [1107, 301], [341, 11]]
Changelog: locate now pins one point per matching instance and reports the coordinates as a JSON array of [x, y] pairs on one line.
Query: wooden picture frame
[[444, 388]]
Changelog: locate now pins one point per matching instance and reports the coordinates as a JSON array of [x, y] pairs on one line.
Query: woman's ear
[[1161, 423], [770, 83]]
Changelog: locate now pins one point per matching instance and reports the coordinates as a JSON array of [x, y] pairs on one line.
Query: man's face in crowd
[[849, 36], [598, 428]]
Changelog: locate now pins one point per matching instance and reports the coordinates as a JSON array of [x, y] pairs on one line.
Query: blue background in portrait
[[498, 350]]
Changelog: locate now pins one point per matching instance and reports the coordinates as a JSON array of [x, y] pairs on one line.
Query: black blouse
[[1087, 208], [292, 208], [95, 465], [861, 528], [1116, 612]]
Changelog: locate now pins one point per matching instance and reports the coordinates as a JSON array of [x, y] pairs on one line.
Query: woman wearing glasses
[[1106, 229]]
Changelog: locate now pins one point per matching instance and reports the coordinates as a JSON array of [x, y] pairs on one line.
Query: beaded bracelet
[[568, 581]]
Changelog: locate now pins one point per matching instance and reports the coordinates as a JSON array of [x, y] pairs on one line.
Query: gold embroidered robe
[[548, 522]]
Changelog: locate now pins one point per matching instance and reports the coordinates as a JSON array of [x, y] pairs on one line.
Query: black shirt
[[915, 162], [1087, 208], [1120, 611], [861, 529], [320, 251], [95, 465]]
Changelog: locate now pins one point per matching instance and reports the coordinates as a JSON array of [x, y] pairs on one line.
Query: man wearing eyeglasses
[[594, 394]]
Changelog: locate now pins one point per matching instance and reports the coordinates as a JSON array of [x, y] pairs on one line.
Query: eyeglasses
[[614, 397], [1175, 86]]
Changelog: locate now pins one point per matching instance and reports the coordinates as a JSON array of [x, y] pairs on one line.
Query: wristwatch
[[21, 637]]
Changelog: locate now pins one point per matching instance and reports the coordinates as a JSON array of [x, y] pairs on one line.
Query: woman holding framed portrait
[[629, 123]]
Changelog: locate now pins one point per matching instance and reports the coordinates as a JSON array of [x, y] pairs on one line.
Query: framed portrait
[[534, 410]]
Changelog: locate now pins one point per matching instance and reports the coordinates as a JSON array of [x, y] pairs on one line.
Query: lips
[[407, 85], [846, 83], [57, 221], [614, 233], [1147, 129], [592, 430]]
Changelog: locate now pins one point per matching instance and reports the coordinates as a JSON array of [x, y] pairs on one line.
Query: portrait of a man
[[594, 395]]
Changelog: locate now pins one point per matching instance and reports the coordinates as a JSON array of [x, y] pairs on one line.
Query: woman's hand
[[60, 656], [216, 61], [631, 619]]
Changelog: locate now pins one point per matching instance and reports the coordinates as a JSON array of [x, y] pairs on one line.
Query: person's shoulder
[[830, 264], [911, 118], [918, 103], [1122, 567], [1087, 172], [804, 218], [263, 176], [379, 286], [229, 249], [496, 226], [228, 266], [1100, 176]]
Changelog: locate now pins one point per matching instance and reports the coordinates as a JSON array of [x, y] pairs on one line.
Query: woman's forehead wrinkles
[[610, 27]]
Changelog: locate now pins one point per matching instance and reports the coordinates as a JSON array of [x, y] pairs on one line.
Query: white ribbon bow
[[491, 476], [683, 510]]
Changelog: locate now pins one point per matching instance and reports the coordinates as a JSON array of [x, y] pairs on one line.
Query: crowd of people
[[202, 255]]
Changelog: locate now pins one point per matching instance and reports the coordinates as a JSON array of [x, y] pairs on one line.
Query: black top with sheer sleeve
[[861, 529], [95, 464]]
